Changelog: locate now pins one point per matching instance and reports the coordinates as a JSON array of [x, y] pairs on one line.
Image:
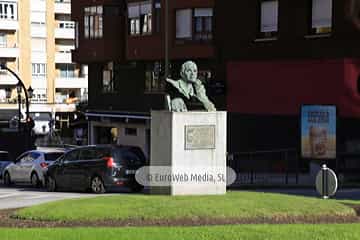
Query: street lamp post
[[20, 85], [18, 90], [166, 29]]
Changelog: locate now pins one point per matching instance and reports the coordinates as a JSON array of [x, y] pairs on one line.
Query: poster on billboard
[[318, 131]]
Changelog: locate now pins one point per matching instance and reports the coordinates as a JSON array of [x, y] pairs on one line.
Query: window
[[140, 18], [93, 22], [153, 81], [52, 156], [3, 40], [269, 19], [203, 23], [39, 95], [131, 131], [38, 69], [8, 10], [67, 70], [321, 21], [38, 44], [184, 24], [88, 154], [157, 15], [108, 78], [131, 158], [38, 18], [66, 24], [25, 159], [34, 155], [194, 24], [72, 156]]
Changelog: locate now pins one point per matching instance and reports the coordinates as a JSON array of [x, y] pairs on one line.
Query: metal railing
[[262, 167]]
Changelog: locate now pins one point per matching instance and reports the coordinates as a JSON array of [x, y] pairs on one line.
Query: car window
[[21, 156], [52, 156], [87, 154], [61, 159], [72, 156], [131, 158], [34, 155], [4, 156], [25, 158], [139, 153], [99, 152], [102, 152]]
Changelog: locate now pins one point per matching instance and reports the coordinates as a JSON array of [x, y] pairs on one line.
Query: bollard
[[326, 182]]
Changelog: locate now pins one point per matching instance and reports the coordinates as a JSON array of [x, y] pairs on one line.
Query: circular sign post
[[326, 182]]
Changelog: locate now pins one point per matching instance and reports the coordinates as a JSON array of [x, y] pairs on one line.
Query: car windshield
[[53, 156], [4, 156]]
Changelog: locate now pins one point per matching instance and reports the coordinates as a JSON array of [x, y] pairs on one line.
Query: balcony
[[9, 52], [63, 57], [10, 25], [63, 7], [65, 30], [7, 79], [71, 82]]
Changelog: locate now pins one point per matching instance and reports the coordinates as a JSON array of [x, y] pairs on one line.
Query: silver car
[[31, 166]]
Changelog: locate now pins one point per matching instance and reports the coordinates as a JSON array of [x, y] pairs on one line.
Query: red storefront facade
[[281, 87]]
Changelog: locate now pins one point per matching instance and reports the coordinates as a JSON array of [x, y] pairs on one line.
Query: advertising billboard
[[318, 131]]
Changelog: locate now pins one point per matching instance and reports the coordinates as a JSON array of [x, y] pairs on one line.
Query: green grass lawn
[[237, 204], [231, 232]]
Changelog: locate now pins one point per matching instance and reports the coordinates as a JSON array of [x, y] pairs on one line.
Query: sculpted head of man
[[189, 72]]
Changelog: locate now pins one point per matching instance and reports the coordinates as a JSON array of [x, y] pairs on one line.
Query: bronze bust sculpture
[[187, 93]]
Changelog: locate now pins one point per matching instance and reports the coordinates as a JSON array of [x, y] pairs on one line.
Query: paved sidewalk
[[17, 197]]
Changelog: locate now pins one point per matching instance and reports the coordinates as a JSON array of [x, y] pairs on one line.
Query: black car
[[98, 168]]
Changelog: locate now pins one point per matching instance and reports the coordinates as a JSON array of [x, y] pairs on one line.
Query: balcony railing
[[11, 25], [63, 57], [62, 7], [71, 82], [9, 52], [64, 33]]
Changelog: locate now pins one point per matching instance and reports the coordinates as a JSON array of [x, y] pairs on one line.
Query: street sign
[[326, 182]]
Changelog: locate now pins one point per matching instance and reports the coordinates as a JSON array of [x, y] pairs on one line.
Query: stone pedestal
[[189, 140]]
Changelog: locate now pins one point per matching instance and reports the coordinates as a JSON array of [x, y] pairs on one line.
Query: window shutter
[[184, 23], [38, 17], [133, 11], [38, 44], [269, 16], [321, 13], [203, 12]]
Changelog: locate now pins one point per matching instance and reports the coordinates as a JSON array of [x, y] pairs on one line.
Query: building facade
[[273, 56], [285, 54], [36, 39], [123, 43]]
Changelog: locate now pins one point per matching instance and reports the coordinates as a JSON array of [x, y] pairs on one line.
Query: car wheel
[[51, 184], [35, 180], [7, 179], [97, 185]]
